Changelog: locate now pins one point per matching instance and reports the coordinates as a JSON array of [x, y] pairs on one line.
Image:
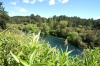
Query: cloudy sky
[[48, 8]]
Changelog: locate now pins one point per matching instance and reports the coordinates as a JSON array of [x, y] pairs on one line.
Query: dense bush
[[72, 36]]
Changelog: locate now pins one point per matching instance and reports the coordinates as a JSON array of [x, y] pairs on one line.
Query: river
[[59, 43]]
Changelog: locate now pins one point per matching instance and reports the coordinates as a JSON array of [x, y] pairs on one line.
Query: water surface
[[59, 43]]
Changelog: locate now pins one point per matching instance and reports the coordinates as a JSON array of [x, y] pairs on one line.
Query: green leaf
[[31, 58], [32, 49], [69, 52], [39, 64], [24, 63], [0, 43], [15, 57], [63, 56]]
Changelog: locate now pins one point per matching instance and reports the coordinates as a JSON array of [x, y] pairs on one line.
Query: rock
[[66, 42]]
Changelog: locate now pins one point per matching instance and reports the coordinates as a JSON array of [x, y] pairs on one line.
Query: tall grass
[[20, 50]]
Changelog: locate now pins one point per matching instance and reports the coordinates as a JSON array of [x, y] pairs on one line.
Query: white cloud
[[26, 1], [33, 1], [64, 1], [22, 10], [51, 2], [40, 0], [13, 3]]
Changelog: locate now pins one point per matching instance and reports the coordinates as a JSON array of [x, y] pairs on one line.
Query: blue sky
[[48, 8]]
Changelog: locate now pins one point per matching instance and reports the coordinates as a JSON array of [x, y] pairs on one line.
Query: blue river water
[[59, 43]]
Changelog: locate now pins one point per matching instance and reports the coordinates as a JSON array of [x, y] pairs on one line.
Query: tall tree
[[3, 17]]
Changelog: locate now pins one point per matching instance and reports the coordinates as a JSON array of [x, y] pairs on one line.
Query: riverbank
[[85, 39]]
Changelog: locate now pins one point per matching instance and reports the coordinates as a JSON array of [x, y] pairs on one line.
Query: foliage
[[91, 38], [45, 29], [20, 50], [3, 17], [63, 24], [7, 42], [80, 37], [72, 36], [30, 28]]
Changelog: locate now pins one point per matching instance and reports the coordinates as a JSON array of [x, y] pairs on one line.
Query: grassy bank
[[16, 49]]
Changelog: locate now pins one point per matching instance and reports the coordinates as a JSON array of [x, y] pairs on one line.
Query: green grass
[[16, 49]]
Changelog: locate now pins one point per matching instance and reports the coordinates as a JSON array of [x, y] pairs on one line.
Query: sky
[[48, 8]]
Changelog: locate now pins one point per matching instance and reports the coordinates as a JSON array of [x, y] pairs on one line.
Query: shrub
[[72, 36]]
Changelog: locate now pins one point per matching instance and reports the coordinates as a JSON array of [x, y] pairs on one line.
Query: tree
[[38, 19], [72, 36], [45, 29], [63, 24], [32, 16], [51, 22], [3, 17]]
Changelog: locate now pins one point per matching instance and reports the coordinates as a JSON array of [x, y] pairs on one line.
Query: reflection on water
[[59, 43]]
